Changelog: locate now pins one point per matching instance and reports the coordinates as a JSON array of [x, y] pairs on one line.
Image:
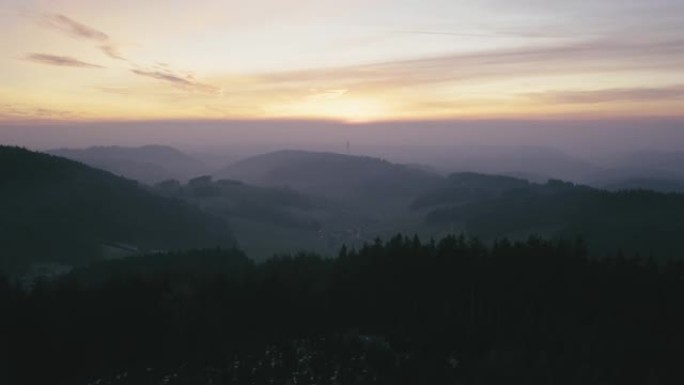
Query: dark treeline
[[398, 312]]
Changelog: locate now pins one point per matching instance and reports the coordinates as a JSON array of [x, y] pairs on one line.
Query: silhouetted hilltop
[[344, 177], [60, 211], [149, 164]]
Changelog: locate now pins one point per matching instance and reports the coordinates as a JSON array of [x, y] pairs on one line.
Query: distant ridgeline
[[356, 180], [393, 198], [58, 213], [405, 311], [634, 221], [148, 164], [63, 213]]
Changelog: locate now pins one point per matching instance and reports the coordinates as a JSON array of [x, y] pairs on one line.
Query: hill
[[290, 220], [534, 162], [148, 164], [648, 170], [60, 211], [641, 221], [358, 180]]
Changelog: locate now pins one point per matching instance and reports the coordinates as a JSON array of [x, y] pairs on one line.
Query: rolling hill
[[640, 221], [533, 162], [61, 211], [357, 180], [268, 220], [147, 164]]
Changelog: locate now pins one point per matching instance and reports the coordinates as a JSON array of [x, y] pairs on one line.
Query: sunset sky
[[350, 61]]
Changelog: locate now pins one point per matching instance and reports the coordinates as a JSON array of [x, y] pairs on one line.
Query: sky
[[347, 61]]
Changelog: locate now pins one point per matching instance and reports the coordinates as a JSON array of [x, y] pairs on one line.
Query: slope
[[148, 164], [636, 221], [58, 210], [362, 181]]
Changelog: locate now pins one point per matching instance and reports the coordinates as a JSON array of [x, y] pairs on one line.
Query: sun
[[348, 109]]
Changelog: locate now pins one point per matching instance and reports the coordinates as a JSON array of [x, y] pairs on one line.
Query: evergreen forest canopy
[[403, 311]]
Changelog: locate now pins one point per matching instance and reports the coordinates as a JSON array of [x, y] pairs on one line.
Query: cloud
[[161, 71], [115, 90], [488, 34], [112, 51], [78, 30], [186, 81], [61, 61], [73, 28], [611, 95], [593, 56], [317, 95], [14, 111]]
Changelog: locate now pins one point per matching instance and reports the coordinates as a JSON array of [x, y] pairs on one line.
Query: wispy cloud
[[492, 34], [14, 111], [163, 72], [112, 51], [316, 94], [592, 56], [78, 30], [611, 95], [115, 90], [61, 61], [73, 28], [187, 81]]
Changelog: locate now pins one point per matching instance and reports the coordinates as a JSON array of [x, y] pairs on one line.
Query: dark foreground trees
[[401, 312]]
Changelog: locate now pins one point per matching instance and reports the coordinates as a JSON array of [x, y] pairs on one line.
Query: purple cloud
[[186, 82], [61, 61], [112, 51], [79, 30], [73, 28], [612, 95]]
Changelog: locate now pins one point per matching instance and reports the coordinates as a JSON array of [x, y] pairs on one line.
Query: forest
[[400, 311]]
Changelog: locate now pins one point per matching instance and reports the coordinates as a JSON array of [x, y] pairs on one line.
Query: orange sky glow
[[352, 61]]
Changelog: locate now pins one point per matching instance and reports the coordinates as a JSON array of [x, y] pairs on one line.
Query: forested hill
[[635, 221], [359, 180], [61, 211]]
